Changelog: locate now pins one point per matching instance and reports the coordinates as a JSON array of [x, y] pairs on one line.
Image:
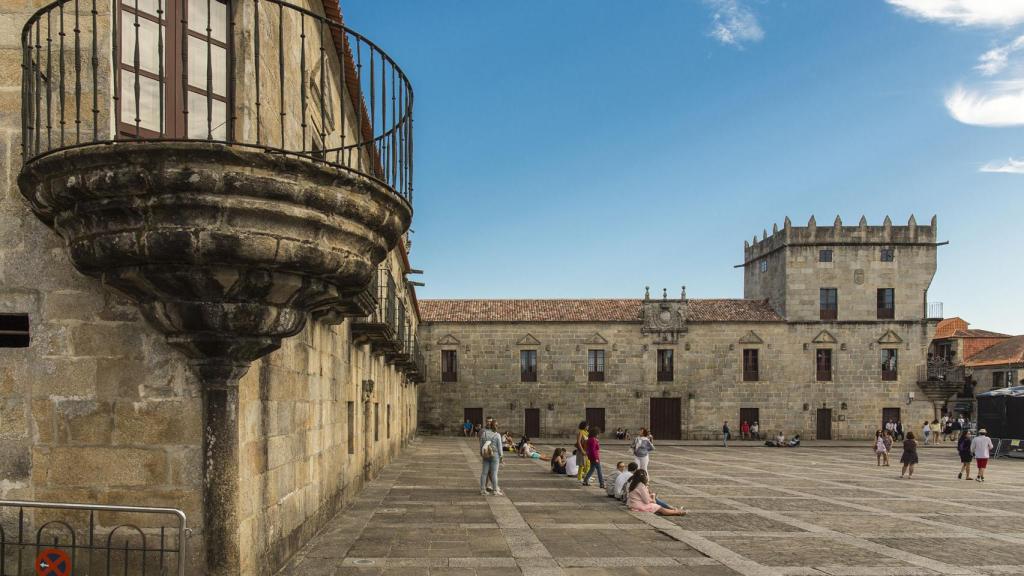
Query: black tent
[[1001, 412]]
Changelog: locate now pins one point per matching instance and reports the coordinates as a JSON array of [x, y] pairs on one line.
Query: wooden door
[[824, 424], [595, 418], [531, 424], [889, 414], [749, 415], [474, 415], [666, 418]]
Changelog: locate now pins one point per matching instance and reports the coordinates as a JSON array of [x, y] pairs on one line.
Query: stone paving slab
[[754, 511]]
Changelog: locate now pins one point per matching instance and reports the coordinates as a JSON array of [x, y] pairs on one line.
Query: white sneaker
[[499, 493], [484, 492]]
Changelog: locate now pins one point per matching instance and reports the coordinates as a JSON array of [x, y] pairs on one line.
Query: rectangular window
[[351, 427], [595, 365], [888, 254], [764, 265], [750, 365], [159, 97], [449, 366], [14, 332], [823, 364], [829, 303], [389, 421], [824, 255], [889, 364], [886, 303], [528, 365], [1002, 379], [376, 421], [666, 367]]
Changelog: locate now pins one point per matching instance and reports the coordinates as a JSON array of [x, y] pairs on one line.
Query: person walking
[[581, 449], [594, 455], [490, 453], [936, 432], [926, 432], [642, 448], [981, 447], [909, 458], [725, 434], [755, 432], [880, 452], [963, 447], [887, 440]]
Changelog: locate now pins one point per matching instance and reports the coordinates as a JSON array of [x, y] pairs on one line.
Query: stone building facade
[[827, 342], [186, 272]]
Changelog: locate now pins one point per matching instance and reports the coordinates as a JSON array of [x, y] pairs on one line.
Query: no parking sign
[[53, 562]]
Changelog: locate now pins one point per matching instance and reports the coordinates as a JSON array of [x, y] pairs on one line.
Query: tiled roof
[[588, 310], [977, 333], [1009, 351], [957, 327]]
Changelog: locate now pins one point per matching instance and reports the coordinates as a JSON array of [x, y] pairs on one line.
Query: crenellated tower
[[843, 273]]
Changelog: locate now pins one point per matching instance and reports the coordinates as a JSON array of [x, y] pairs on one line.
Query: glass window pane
[[197, 116], [149, 101], [152, 7], [149, 42], [217, 21], [197, 59]]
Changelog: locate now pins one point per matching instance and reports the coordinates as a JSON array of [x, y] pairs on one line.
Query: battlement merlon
[[836, 234]]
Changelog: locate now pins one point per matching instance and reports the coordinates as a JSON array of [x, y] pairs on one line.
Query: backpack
[[487, 451]]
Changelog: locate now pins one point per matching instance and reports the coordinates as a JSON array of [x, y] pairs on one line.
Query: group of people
[[629, 483], [938, 430], [970, 447]]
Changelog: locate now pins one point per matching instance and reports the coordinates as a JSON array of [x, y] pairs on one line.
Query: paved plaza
[[752, 511]]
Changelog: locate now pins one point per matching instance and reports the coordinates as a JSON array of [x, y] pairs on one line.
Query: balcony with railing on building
[[379, 327], [940, 378]]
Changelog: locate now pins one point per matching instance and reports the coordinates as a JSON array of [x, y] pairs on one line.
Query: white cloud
[[995, 60], [998, 107], [996, 13], [734, 23], [1011, 166]]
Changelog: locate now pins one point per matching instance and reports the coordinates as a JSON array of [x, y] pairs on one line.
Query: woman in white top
[[643, 445], [881, 452]]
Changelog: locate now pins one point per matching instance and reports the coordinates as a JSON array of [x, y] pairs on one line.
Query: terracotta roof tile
[[977, 333], [1009, 351], [587, 310]]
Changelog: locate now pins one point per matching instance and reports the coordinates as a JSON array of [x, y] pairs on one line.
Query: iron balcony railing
[[940, 370], [264, 74], [91, 538], [934, 311]]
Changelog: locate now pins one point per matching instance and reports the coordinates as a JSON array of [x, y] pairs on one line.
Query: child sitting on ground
[[558, 461], [620, 469], [571, 468]]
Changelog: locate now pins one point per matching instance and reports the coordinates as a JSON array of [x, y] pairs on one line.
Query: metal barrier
[[93, 548]]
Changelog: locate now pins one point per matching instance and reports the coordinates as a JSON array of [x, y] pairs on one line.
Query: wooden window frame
[[824, 311], [175, 55], [595, 365], [890, 375], [666, 375], [885, 312], [751, 365], [525, 374], [449, 368], [823, 373]]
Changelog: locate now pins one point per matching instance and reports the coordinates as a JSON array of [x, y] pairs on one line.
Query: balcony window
[[889, 364], [825, 255], [595, 365], [823, 364], [528, 365], [750, 365], [886, 303], [829, 303], [666, 368], [449, 366], [159, 95], [888, 254]]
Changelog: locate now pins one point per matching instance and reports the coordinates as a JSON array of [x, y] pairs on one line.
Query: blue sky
[[587, 148]]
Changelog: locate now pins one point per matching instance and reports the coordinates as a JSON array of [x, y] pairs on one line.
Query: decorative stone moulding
[[226, 250]]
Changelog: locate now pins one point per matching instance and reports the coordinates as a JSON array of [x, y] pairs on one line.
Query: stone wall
[[708, 375], [100, 409]]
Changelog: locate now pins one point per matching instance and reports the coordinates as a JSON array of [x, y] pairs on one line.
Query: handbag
[[486, 451]]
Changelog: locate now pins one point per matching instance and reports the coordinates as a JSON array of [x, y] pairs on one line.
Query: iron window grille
[[888, 254]]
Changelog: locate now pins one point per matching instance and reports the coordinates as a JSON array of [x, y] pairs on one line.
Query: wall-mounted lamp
[[842, 346], [690, 396], [636, 394], [551, 406], [842, 406], [806, 406]]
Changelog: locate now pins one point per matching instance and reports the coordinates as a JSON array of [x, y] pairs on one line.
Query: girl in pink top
[[594, 455], [641, 499]]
